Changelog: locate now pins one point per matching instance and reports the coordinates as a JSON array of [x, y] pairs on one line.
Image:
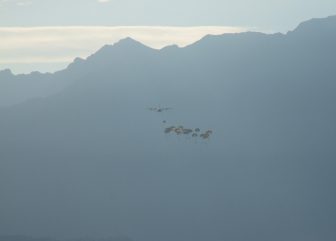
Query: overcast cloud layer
[[26, 49]]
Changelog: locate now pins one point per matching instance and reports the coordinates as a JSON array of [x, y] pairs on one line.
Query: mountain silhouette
[[81, 154]]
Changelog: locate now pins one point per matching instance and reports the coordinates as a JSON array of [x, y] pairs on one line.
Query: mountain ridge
[[133, 43], [131, 52]]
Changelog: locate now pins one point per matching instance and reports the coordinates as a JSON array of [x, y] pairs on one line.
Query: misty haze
[[232, 137]]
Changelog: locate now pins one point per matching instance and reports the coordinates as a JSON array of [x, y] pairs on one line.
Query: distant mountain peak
[[128, 42], [124, 47], [6, 73], [77, 61], [316, 25]]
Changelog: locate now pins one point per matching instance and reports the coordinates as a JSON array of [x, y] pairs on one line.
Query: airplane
[[159, 109]]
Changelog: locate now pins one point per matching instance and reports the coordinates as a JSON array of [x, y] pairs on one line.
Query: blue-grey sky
[[77, 28], [276, 15]]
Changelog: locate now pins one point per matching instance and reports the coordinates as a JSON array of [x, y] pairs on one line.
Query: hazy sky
[[277, 15], [257, 15]]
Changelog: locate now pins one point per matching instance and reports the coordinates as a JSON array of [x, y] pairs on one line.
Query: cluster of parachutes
[[180, 130]]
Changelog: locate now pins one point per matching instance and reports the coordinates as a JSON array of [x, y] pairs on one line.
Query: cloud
[[23, 45]]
